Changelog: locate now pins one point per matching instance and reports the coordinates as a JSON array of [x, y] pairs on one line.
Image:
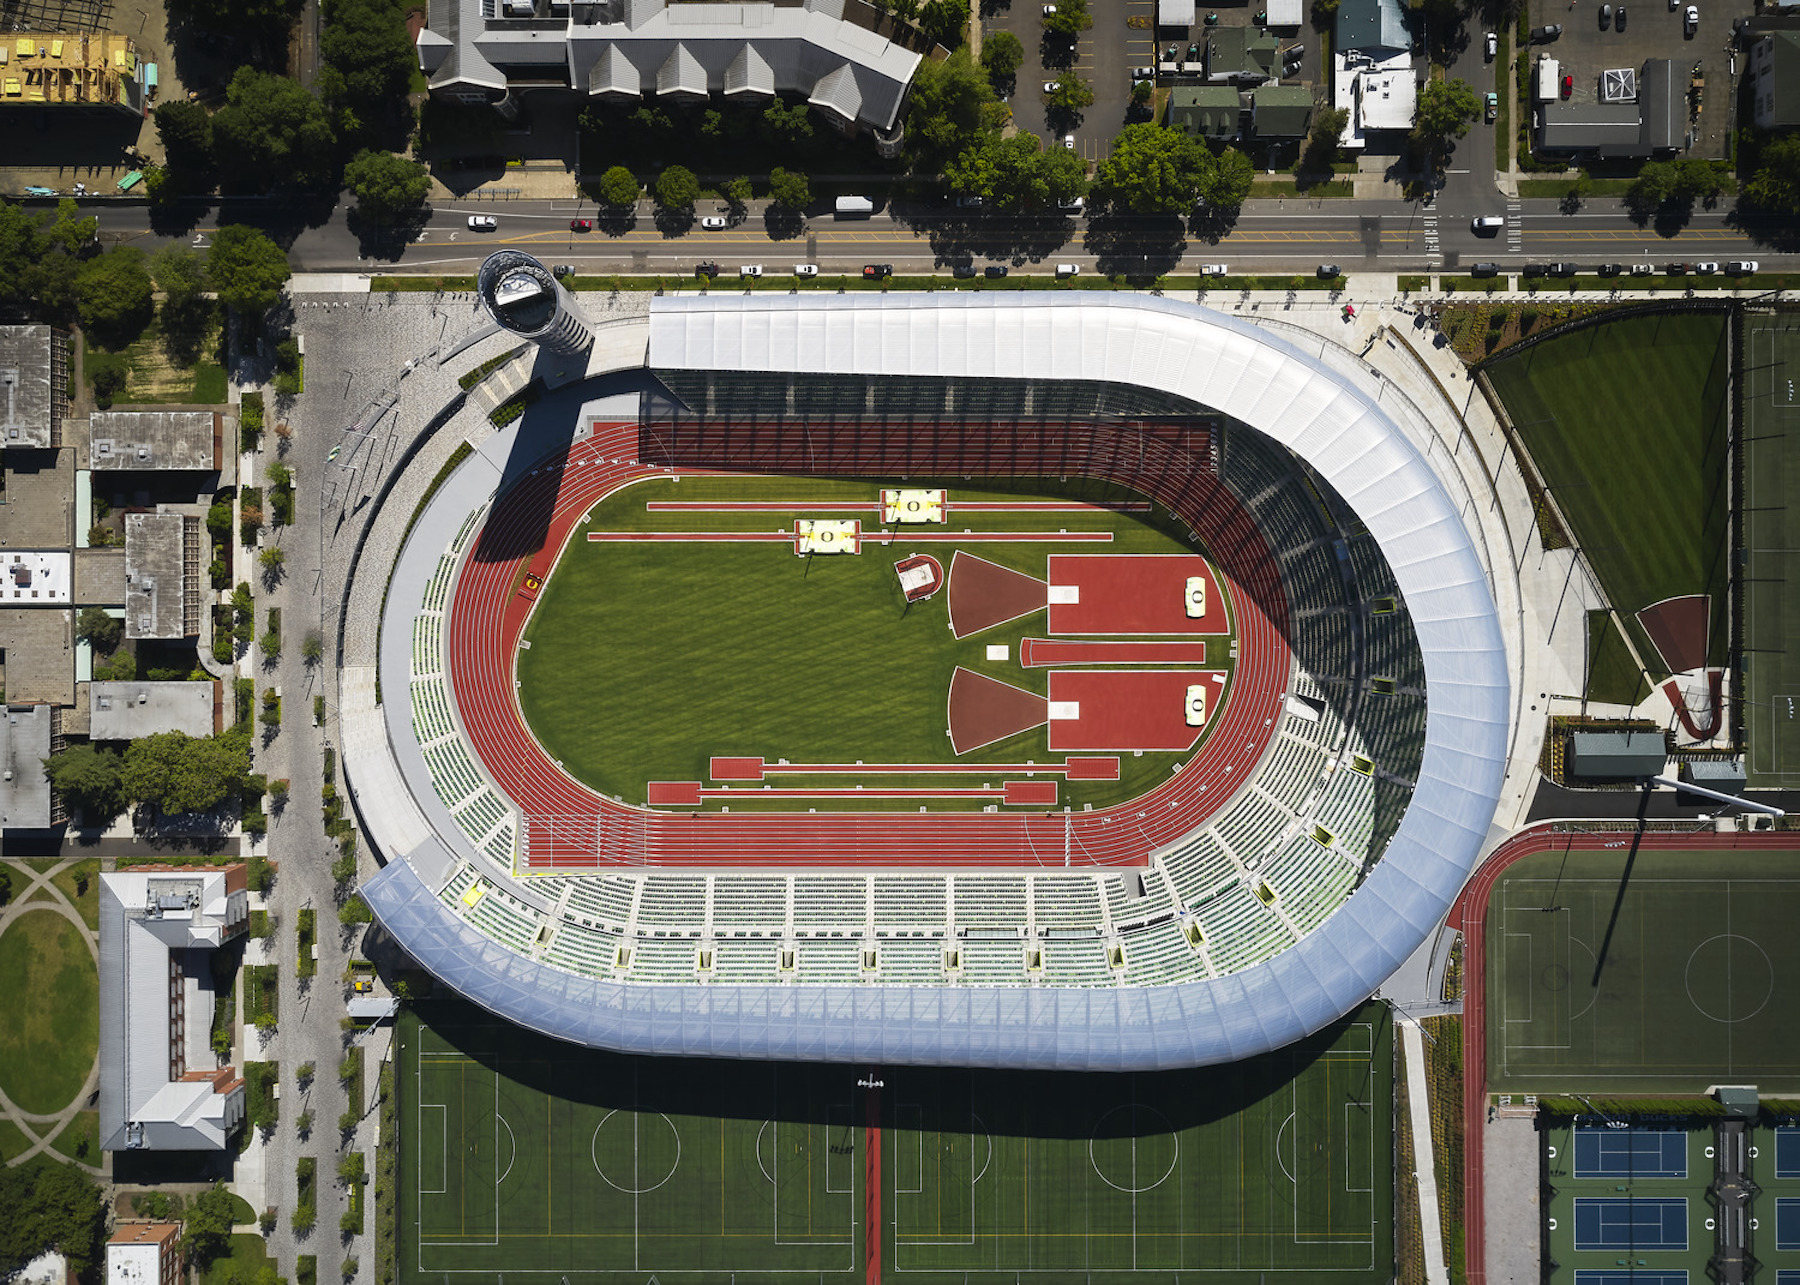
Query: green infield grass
[[1612, 676], [521, 1155], [1771, 551], [1625, 421], [50, 1025], [644, 660], [1659, 974]]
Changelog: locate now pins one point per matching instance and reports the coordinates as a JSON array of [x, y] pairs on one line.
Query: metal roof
[[1223, 362]]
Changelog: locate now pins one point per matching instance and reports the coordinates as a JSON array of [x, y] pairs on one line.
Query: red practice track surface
[[1678, 627], [1039, 653], [1124, 709], [1469, 916], [1133, 594], [569, 826], [984, 710], [982, 594], [755, 769]]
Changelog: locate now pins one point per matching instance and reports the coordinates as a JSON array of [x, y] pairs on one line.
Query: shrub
[[355, 911]]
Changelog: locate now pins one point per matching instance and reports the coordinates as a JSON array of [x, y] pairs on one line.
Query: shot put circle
[[630, 1145], [1745, 963], [1145, 1164]]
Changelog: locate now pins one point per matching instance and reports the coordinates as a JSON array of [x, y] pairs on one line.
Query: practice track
[[487, 618]]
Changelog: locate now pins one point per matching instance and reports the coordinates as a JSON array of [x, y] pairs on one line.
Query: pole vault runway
[[569, 826]]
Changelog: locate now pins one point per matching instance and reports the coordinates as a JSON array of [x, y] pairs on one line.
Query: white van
[[1486, 223], [854, 207], [1068, 269]]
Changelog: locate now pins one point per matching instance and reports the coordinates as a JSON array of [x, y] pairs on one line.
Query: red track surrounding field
[[1469, 916], [569, 826]]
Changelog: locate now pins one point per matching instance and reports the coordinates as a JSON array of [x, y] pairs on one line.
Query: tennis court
[[1614, 1276], [1631, 1224], [1787, 1152], [1607, 1152], [1771, 553], [1787, 1222]]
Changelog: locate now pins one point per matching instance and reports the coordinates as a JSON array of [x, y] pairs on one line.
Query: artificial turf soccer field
[[1772, 551], [644, 660], [1695, 987], [1626, 422], [529, 1158]]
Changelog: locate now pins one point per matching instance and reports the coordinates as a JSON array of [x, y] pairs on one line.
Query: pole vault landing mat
[[984, 710], [1124, 593], [983, 594], [1109, 709]]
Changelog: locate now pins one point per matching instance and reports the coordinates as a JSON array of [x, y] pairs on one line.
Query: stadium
[[1224, 740]]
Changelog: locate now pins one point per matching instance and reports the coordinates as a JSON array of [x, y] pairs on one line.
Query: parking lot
[[1652, 30]]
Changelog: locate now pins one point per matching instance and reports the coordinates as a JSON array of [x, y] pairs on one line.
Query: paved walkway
[[1418, 1100], [41, 1130]]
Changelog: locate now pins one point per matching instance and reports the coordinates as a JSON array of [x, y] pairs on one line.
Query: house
[[1209, 113], [133, 440], [827, 51], [1610, 755], [1281, 111], [144, 1254], [1240, 54], [161, 1088], [1378, 92], [1372, 27], [164, 565], [1775, 80]]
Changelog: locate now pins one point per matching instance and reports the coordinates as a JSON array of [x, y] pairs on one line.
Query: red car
[[587, 225], [1568, 85]]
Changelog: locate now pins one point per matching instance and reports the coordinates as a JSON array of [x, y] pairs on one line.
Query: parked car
[[1706, 269], [1537, 270], [1563, 269], [1619, 19], [806, 269], [1643, 269], [713, 223], [562, 270], [1490, 46], [1075, 206], [1677, 270], [708, 269], [1142, 73], [1329, 271], [1690, 22], [1542, 35], [483, 223], [1741, 267], [876, 271], [1605, 16], [1068, 270], [1568, 86], [1069, 141], [1610, 269], [962, 271], [750, 270], [1213, 270], [1484, 269], [968, 202], [1493, 107], [581, 225], [1051, 86], [994, 270], [1049, 9]]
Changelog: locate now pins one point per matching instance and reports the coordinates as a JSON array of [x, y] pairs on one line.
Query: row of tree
[[172, 772]]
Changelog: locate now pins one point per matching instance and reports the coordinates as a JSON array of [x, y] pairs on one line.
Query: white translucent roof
[[1208, 358]]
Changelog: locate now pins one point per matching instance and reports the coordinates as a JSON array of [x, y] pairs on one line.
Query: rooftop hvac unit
[[1618, 85]]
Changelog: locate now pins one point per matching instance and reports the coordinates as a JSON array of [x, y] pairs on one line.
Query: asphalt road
[[1273, 237]]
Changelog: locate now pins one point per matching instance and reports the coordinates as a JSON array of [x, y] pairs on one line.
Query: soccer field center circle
[[1748, 966], [1246, 373]]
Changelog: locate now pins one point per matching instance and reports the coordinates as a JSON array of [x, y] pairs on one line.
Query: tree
[[90, 779], [1017, 173], [1071, 95], [785, 124], [789, 189], [1152, 170], [1002, 54], [1228, 186], [99, 628], [1445, 111], [1775, 183], [271, 559], [113, 294], [1672, 187], [312, 647], [367, 44], [206, 1230], [952, 102], [944, 22], [245, 269], [387, 188], [271, 131], [176, 773], [355, 911], [1326, 137], [45, 1205], [738, 192], [1070, 19], [618, 187], [186, 131], [179, 273], [677, 188]]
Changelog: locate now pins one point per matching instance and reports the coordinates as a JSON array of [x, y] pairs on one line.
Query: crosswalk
[[1432, 247], [1515, 226]]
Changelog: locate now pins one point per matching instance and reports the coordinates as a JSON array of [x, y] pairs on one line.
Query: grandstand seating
[[672, 900], [750, 900], [911, 900], [988, 900], [830, 901], [1065, 901], [431, 710]]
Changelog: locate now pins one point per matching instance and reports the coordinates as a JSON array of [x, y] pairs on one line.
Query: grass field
[[524, 1156], [1673, 986], [745, 649], [1771, 552], [154, 375], [49, 1026], [1612, 675], [1626, 423]]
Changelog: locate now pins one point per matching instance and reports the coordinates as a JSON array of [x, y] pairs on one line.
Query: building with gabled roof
[[1205, 112]]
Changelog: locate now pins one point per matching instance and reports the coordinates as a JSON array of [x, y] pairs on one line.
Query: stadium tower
[[526, 299]]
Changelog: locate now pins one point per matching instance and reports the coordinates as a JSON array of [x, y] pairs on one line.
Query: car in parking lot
[[1677, 270], [1329, 271], [876, 271], [1490, 46], [1562, 269], [1142, 73], [1706, 269], [1568, 86], [962, 271], [1690, 22], [1213, 269], [1542, 35], [713, 222], [483, 223], [1493, 107], [1484, 269], [581, 225], [994, 270], [1741, 267], [1605, 16], [1049, 9], [750, 270], [1619, 19], [806, 269]]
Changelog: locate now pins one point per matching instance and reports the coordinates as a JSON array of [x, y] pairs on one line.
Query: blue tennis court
[[1787, 1153], [1631, 1153], [1787, 1276], [1787, 1222], [1665, 1276], [1634, 1223]]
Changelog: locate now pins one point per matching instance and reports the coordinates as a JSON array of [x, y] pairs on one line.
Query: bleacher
[[1312, 579], [910, 962], [1240, 930], [1065, 901], [1347, 810], [1310, 881], [672, 900], [1251, 827], [428, 646], [1159, 955], [664, 959], [1198, 867], [750, 900], [438, 590], [910, 900], [478, 816], [431, 719], [1393, 649], [1393, 727], [1289, 773], [988, 900], [581, 949], [504, 918], [830, 901], [1373, 577], [601, 899], [453, 773], [1076, 962]]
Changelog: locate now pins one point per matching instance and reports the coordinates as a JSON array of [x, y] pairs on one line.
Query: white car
[[1706, 269], [1075, 206], [1143, 73], [1692, 20], [806, 269], [1212, 269], [483, 223], [1051, 86], [1490, 46], [750, 270], [714, 223], [1049, 9], [1196, 705], [1069, 141], [1741, 267], [1643, 269]]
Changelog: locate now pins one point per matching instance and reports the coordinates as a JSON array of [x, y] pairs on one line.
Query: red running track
[[1040, 653], [570, 826], [1469, 916]]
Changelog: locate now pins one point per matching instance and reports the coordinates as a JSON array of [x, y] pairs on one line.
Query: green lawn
[[523, 1155], [154, 375], [1613, 676], [80, 1138], [1626, 423], [1771, 536], [13, 1141], [646, 659], [72, 881], [247, 1256], [1691, 992], [50, 1024]]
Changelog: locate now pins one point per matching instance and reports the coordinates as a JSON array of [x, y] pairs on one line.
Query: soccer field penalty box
[[909, 507]]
